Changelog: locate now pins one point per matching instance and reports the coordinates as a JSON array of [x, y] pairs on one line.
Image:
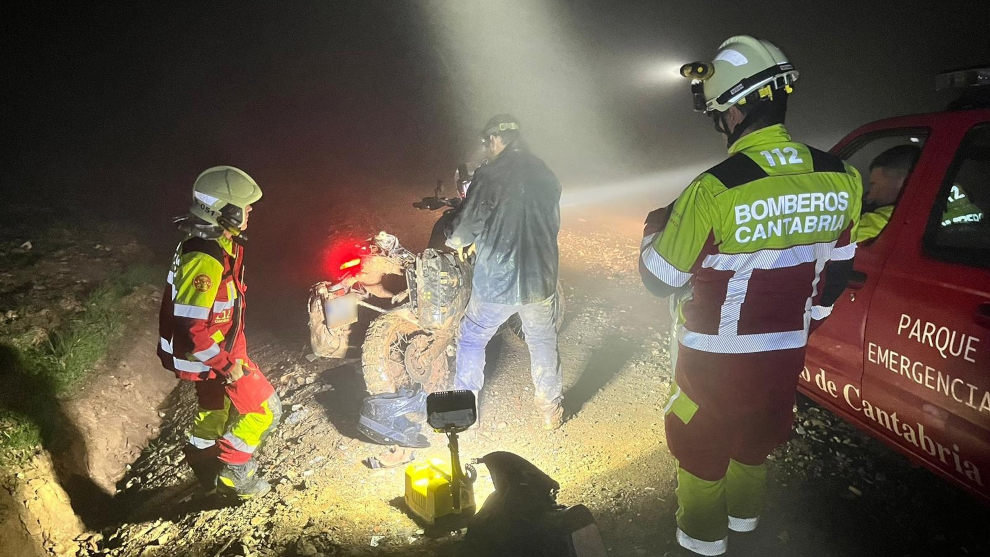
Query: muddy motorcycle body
[[418, 301], [368, 277], [412, 338], [414, 343]]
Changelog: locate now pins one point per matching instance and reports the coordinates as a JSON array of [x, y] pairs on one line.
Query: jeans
[[483, 319]]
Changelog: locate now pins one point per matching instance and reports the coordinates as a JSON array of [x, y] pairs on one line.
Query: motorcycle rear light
[[349, 264], [343, 257]]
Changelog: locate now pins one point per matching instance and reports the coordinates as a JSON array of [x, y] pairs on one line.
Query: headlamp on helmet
[[697, 72], [497, 125], [745, 69]]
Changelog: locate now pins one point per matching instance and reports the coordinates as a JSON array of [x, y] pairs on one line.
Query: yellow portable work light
[[436, 489]]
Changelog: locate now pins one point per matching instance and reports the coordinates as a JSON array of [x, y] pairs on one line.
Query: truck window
[[957, 229], [884, 161]]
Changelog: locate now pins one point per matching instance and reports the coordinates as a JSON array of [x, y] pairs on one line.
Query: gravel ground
[[833, 490]]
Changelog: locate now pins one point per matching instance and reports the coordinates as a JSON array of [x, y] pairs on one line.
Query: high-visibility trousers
[[722, 440], [236, 425]]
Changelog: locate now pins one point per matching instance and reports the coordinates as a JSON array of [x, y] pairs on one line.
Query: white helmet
[[745, 69], [220, 195]]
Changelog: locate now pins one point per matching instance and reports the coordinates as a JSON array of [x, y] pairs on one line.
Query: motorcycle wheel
[[514, 324], [383, 361], [427, 362]]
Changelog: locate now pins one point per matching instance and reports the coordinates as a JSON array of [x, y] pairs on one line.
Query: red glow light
[[343, 258]]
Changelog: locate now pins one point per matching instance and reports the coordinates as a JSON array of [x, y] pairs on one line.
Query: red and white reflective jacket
[[754, 236], [761, 239], [201, 322]]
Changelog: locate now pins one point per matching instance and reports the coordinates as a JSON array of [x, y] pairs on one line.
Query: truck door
[[834, 361], [926, 383]]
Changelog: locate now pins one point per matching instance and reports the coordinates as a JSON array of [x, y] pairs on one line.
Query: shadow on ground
[[342, 403], [603, 365], [33, 397]]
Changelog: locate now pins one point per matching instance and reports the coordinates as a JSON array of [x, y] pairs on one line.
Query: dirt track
[[833, 491]]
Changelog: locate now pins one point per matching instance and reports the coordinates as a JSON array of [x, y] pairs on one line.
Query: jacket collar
[[516, 146], [776, 133], [227, 244]]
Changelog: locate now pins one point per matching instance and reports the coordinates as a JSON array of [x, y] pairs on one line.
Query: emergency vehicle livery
[[905, 354]]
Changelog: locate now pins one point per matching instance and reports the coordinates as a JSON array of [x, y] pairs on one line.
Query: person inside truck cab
[[888, 171]]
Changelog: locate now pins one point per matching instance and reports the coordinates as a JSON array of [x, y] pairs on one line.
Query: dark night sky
[[115, 108]]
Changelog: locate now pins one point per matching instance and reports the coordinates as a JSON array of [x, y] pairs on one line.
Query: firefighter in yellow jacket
[[757, 249], [201, 325]]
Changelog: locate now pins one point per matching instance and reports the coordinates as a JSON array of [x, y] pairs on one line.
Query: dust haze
[[347, 112]]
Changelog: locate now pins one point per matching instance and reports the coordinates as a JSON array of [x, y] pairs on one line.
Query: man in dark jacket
[[510, 219]]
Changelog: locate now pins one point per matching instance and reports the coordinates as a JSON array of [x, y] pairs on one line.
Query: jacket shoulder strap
[[209, 247], [737, 170], [825, 162]]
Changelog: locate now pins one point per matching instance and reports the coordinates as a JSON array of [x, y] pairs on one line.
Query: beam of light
[[659, 188], [525, 58], [665, 73]]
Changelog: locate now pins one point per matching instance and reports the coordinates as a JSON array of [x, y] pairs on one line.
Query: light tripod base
[[428, 491]]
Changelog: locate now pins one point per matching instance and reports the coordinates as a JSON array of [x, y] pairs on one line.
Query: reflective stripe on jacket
[[202, 311], [753, 237]]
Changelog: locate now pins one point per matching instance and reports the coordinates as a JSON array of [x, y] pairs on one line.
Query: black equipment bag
[[395, 418], [522, 518]]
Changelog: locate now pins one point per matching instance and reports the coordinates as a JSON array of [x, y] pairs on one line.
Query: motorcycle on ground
[[418, 300], [410, 342]]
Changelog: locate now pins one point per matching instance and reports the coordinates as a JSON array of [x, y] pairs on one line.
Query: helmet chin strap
[[236, 234], [198, 227]]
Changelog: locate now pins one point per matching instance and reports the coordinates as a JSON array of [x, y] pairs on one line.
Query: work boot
[[553, 416], [204, 463], [242, 481]]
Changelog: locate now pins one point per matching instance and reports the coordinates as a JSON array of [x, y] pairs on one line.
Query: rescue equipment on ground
[[436, 489], [394, 418]]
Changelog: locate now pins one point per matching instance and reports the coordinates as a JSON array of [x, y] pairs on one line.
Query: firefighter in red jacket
[[201, 324]]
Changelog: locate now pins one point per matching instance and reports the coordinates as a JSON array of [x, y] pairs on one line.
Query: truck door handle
[[857, 280], [982, 316]]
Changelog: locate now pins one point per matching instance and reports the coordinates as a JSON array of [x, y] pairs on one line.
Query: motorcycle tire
[[427, 361], [514, 324], [383, 362]]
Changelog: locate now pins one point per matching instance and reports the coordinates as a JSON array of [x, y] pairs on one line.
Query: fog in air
[[358, 108]]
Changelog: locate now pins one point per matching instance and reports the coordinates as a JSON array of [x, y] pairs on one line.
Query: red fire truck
[[905, 354]]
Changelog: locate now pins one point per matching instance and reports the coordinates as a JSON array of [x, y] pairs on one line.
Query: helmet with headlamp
[[498, 125], [745, 70]]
